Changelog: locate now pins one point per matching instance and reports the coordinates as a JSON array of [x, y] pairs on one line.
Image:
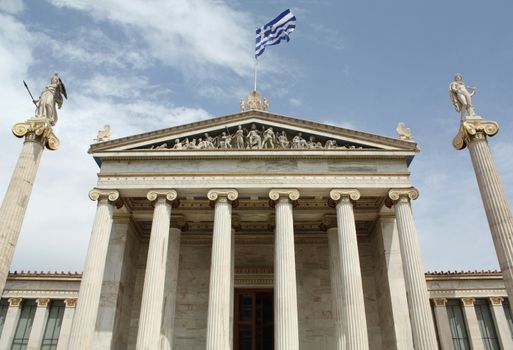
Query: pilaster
[[67, 321], [501, 323], [442, 322], [474, 333], [38, 325], [11, 320]]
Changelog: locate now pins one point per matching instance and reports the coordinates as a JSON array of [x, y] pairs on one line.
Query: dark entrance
[[253, 323]]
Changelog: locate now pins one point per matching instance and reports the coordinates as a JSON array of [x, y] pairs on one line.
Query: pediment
[[253, 130]]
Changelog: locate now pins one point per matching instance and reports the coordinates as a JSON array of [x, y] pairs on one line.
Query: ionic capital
[[14, 302], [496, 300], [37, 130], [468, 301], [218, 193], [291, 194], [99, 193], [169, 195], [403, 195], [328, 221], [440, 301], [42, 302], [338, 194], [70, 302], [475, 128]]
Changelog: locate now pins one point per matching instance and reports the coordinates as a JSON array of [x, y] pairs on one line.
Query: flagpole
[[256, 65]]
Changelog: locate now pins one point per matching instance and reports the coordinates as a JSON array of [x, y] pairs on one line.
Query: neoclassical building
[[255, 231]]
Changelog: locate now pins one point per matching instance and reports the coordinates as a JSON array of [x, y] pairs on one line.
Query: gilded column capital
[[474, 128], [496, 300], [100, 193], [328, 221], [468, 301], [401, 195], [169, 195], [291, 194], [228, 193], [440, 301], [71, 302], [42, 302], [15, 302], [37, 130]]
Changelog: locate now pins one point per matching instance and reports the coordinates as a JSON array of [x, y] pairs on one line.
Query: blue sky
[[141, 66]]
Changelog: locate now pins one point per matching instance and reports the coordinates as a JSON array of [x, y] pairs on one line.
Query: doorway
[[253, 319]]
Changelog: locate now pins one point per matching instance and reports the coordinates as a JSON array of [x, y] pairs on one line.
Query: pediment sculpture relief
[[265, 137]]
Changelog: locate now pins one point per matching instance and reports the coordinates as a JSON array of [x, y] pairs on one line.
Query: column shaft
[[173, 259], [10, 323], [286, 333], [150, 319], [67, 321], [474, 333], [82, 330], [423, 329], [496, 207], [218, 324], [15, 204], [337, 300], [501, 322], [443, 326], [38, 325]]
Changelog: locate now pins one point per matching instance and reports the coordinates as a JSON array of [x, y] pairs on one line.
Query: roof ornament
[[104, 135], [254, 102], [404, 132]]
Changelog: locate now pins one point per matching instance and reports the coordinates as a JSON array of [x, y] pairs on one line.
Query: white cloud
[[12, 6]]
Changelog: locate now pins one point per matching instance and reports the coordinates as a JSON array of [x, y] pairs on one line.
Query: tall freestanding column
[[218, 322], [473, 134], [150, 319], [286, 332], [424, 336], [353, 306], [82, 329], [38, 133]]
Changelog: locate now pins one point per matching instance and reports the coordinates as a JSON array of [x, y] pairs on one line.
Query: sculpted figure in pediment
[[254, 139], [299, 142], [239, 137], [178, 144], [331, 144], [283, 140], [225, 140], [269, 138]]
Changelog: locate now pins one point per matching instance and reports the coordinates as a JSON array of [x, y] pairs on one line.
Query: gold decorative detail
[[401, 195], [97, 193], [440, 301], [338, 194], [468, 301], [42, 302], [292, 194], [254, 102], [70, 302], [474, 128], [15, 301], [37, 130], [170, 195], [496, 300], [230, 194]]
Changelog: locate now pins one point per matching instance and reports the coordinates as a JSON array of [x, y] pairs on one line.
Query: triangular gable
[[253, 130]]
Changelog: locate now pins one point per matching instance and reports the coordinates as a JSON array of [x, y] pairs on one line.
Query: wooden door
[[253, 319]]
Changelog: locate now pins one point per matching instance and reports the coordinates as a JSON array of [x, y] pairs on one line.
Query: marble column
[[501, 323], [353, 304], [218, 321], [11, 321], [150, 318], [39, 324], [37, 134], [329, 222], [424, 336], [473, 134], [84, 322], [67, 321], [171, 285], [474, 333], [442, 322], [286, 331]]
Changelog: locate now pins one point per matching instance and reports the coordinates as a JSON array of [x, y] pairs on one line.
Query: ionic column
[[173, 259], [82, 330], [38, 325], [235, 227], [501, 322], [329, 222], [473, 134], [38, 133], [67, 320], [286, 332], [474, 333], [442, 321], [218, 323], [11, 321], [150, 319], [424, 336], [353, 305]]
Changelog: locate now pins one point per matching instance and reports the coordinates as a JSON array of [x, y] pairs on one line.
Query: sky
[[367, 65]]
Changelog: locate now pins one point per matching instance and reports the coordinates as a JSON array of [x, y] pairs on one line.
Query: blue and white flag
[[275, 31]]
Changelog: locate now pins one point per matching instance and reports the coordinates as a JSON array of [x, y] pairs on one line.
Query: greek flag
[[273, 32]]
